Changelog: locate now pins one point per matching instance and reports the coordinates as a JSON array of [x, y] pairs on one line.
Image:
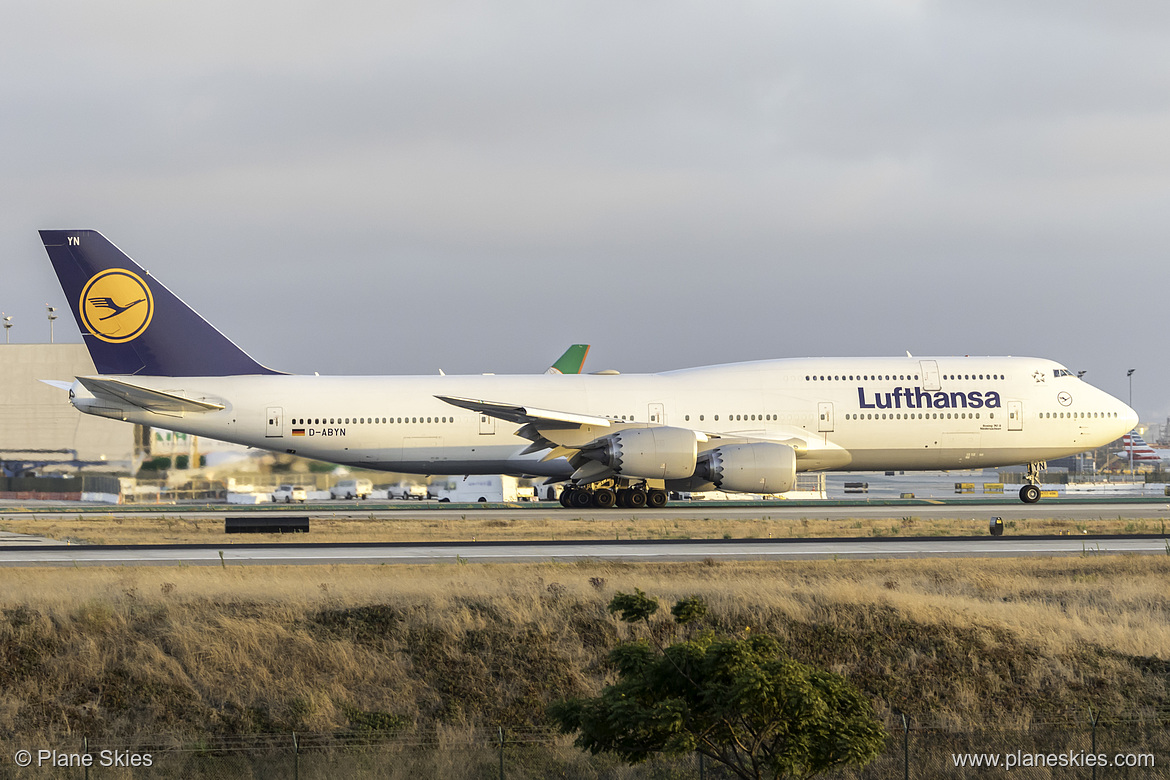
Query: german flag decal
[[298, 431]]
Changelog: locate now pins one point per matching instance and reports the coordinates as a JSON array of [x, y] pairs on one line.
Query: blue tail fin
[[131, 323]]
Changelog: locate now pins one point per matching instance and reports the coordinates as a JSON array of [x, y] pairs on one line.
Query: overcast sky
[[398, 187]]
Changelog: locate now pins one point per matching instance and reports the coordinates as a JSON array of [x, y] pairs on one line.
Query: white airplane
[[1142, 452], [615, 439]]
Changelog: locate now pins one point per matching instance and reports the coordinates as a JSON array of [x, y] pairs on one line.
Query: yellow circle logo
[[116, 306]]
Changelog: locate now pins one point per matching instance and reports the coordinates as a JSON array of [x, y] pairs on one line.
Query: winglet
[[131, 323]]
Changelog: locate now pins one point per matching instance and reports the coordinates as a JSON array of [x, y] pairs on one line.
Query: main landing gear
[[613, 493], [1030, 493]]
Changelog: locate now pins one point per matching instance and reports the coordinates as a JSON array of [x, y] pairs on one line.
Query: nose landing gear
[[1030, 493]]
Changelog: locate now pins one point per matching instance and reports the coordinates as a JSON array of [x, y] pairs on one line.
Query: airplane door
[[656, 414], [825, 413], [930, 377], [275, 422], [1015, 415], [487, 425]]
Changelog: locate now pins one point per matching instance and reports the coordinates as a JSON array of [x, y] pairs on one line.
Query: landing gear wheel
[[656, 499], [636, 499], [604, 498], [1030, 494], [566, 498], [580, 499]]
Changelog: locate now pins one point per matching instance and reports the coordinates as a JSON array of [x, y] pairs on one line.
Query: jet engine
[[649, 453], [749, 468]]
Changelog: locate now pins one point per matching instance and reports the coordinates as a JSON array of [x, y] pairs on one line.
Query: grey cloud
[[473, 186]]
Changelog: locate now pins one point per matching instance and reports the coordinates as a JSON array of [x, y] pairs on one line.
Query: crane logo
[[116, 306]]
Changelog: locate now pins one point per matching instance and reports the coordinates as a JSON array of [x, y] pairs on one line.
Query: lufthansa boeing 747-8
[[613, 438]]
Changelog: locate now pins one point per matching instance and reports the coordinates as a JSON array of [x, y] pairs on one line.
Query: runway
[[1081, 509], [568, 551]]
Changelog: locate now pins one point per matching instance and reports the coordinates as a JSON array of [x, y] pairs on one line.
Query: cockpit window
[[1061, 372]]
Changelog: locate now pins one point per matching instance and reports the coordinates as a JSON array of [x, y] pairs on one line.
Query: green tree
[[740, 701]]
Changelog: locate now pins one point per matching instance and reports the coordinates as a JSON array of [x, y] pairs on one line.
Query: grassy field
[[208, 651], [161, 528]]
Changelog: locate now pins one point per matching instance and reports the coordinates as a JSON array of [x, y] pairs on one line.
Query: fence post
[[1094, 719], [85, 752], [702, 768], [905, 748], [296, 757], [501, 753]]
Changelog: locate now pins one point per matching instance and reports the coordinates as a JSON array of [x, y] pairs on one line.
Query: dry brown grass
[[207, 650], [164, 528]]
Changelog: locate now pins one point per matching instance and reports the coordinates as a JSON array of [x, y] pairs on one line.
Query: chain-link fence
[[1096, 748]]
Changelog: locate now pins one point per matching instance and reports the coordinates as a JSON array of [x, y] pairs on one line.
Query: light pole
[[1129, 374], [7, 327], [1081, 456], [52, 316]]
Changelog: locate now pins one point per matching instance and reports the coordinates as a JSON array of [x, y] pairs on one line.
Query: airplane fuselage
[[839, 413]]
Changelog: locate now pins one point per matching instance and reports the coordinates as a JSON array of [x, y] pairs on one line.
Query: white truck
[[352, 488], [482, 489], [290, 493], [407, 491]]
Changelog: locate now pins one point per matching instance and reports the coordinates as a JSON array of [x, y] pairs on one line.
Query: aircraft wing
[[145, 397], [525, 414], [576, 436]]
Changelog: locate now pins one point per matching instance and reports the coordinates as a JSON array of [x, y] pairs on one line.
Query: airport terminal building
[[40, 431]]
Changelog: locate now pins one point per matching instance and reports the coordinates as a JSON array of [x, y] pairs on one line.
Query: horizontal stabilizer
[[144, 397], [57, 383]]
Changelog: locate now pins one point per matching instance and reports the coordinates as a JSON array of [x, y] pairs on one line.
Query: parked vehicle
[[290, 493], [407, 491], [352, 488], [482, 489]]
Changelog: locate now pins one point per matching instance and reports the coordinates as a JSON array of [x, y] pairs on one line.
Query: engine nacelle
[[749, 468], [649, 453]]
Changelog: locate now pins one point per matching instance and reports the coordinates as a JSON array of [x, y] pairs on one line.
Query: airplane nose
[[1128, 418]]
